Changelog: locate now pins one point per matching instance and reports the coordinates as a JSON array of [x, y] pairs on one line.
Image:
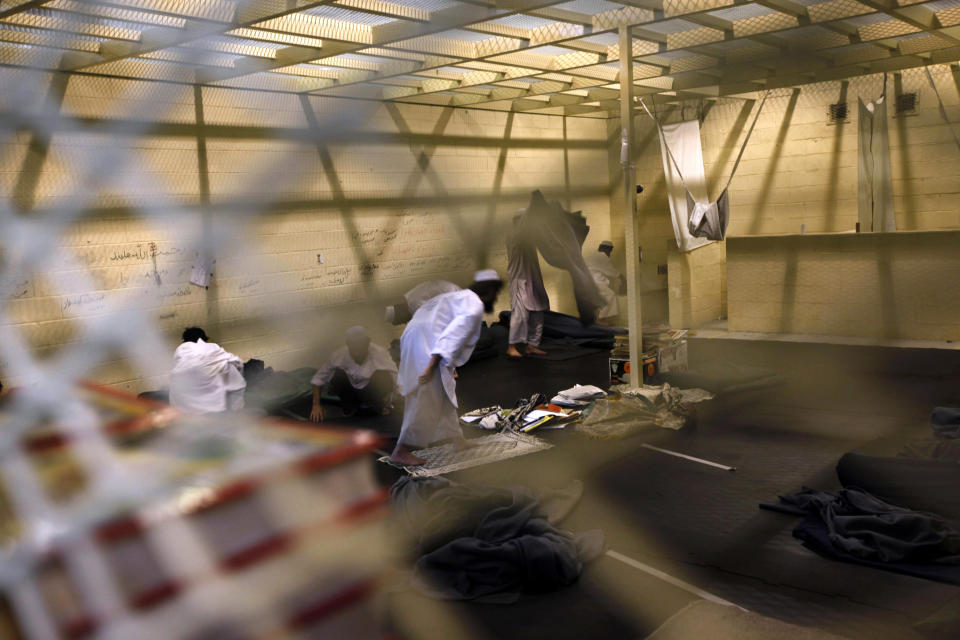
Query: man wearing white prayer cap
[[360, 373], [439, 338], [606, 276]]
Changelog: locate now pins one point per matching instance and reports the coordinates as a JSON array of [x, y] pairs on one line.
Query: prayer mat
[[486, 449]]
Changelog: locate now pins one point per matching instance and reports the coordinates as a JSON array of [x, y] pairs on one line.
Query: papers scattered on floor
[[536, 414], [578, 395], [549, 418], [486, 418], [543, 416]]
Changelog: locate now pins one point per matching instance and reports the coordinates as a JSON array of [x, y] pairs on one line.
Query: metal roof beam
[[399, 31], [247, 13]]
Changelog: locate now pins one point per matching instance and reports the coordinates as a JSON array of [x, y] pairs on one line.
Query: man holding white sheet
[[440, 337]]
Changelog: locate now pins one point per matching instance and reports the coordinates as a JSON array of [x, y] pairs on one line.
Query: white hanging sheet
[[683, 140], [875, 185]]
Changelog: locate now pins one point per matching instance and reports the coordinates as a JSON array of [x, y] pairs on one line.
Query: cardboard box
[[620, 369]]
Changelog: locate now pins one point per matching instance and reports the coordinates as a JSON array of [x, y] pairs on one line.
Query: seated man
[[205, 378], [359, 373]]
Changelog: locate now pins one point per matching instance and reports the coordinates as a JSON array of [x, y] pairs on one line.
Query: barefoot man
[[528, 297], [440, 337]]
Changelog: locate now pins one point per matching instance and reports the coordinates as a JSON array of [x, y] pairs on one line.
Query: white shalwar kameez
[[606, 276], [528, 297], [206, 378], [378, 359], [449, 326]]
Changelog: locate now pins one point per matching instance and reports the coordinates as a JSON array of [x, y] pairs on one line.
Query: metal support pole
[[630, 217]]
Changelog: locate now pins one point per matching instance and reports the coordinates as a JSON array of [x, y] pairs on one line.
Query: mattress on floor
[[913, 468], [915, 483], [560, 328], [278, 389], [913, 443]]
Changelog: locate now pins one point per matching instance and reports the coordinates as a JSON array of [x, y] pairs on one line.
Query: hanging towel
[[682, 155], [683, 141], [709, 220]]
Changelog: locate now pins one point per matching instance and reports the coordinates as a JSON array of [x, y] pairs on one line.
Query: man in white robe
[[528, 297], [205, 377], [360, 373], [439, 338], [606, 277]]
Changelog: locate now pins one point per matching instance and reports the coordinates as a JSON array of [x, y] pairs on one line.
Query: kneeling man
[[359, 373], [205, 378]]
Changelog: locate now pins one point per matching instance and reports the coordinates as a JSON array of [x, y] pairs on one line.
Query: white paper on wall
[[202, 270]]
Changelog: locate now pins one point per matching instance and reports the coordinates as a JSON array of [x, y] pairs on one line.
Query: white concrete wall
[[871, 285], [799, 170], [389, 195]]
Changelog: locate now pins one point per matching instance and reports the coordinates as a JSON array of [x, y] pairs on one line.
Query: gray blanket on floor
[[489, 544], [861, 526]]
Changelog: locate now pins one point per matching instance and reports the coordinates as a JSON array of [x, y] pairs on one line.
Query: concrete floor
[[700, 525]]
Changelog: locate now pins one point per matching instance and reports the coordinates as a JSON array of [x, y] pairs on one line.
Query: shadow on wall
[[426, 144], [483, 251], [888, 296], [729, 144], [789, 291], [424, 155], [25, 190], [764, 195], [203, 177], [141, 128], [339, 195], [830, 201], [906, 171]]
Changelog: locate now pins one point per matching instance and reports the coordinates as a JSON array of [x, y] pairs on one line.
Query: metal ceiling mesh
[[355, 47], [483, 55]]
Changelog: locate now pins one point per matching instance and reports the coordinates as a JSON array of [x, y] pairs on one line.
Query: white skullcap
[[486, 275], [606, 243], [357, 332]]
